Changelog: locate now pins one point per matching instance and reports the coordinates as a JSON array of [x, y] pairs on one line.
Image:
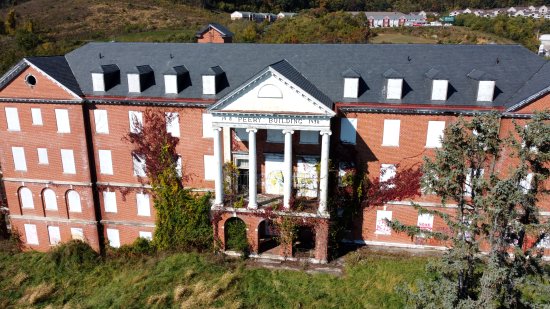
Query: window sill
[[432, 147], [395, 146], [13, 130]]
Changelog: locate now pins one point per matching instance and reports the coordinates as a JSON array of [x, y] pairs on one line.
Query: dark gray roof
[[351, 73], [287, 70], [538, 84], [221, 29], [476, 74], [435, 74], [322, 65], [107, 69], [176, 70], [391, 73], [141, 69], [57, 68], [215, 70]]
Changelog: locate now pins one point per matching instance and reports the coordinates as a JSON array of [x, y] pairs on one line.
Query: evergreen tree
[[496, 210]]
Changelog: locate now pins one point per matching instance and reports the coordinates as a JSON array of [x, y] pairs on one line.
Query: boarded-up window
[[73, 200], [54, 234], [105, 162], [435, 134], [348, 130], [30, 234], [387, 172], [208, 84], [136, 121], [395, 88], [207, 130], [12, 117], [143, 206], [391, 132], [98, 82], [134, 84], [67, 160], [425, 222], [309, 137], [351, 87], [209, 168], [109, 201], [275, 136], [42, 155], [19, 161], [525, 183], [486, 90], [50, 200], [36, 114], [146, 235], [113, 237], [171, 84], [62, 119], [382, 227], [77, 233], [25, 197], [173, 124], [139, 165], [101, 121], [179, 167], [439, 89], [468, 184]]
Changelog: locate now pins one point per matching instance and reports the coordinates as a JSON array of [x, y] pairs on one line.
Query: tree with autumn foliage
[[182, 220], [493, 209]]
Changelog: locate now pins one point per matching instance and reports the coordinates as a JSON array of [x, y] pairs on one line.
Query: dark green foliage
[[74, 255], [27, 40], [236, 240], [139, 247], [494, 206]]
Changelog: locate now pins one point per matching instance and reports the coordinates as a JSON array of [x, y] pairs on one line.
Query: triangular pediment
[[278, 89]]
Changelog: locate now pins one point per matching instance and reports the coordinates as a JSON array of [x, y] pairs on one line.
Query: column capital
[[286, 131], [254, 130], [328, 132], [217, 128]]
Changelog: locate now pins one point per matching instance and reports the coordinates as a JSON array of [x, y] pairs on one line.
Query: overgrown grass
[[192, 280]]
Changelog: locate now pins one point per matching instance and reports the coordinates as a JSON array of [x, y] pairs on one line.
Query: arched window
[[25, 198], [73, 200], [50, 200]]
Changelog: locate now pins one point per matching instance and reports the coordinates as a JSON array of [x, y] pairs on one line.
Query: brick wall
[[213, 36]]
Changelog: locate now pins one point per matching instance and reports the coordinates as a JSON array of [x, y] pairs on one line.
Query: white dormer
[[134, 84], [210, 80], [140, 79], [105, 78], [439, 89], [351, 83], [486, 90], [174, 79], [395, 88]]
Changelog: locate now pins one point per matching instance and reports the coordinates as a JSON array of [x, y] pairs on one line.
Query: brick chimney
[[214, 33]]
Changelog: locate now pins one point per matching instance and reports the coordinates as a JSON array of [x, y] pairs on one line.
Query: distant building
[[392, 19], [531, 11], [260, 17], [286, 14], [544, 49], [214, 33]]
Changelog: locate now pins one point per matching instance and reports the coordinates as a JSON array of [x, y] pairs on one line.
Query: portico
[[274, 100]]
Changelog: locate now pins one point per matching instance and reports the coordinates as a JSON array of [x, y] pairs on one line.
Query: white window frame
[[435, 133], [98, 82], [348, 130], [31, 235], [275, 136], [54, 235], [207, 129], [171, 84], [486, 90], [105, 162], [309, 137], [62, 120], [36, 114], [19, 161], [351, 87], [391, 134], [395, 89], [382, 228], [209, 167], [101, 120], [134, 83], [387, 173], [139, 165], [12, 119], [109, 201], [173, 126], [73, 201], [50, 199], [439, 89], [77, 233], [143, 204], [26, 198], [146, 235], [208, 84], [139, 117], [67, 161], [42, 156], [113, 236]]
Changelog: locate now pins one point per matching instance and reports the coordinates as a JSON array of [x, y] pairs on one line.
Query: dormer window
[[174, 79], [485, 87], [105, 78], [394, 84], [351, 83], [140, 79], [210, 80], [440, 85], [486, 90]]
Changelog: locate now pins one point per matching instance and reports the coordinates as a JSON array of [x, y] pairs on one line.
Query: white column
[[323, 183], [252, 173], [287, 173], [218, 160]]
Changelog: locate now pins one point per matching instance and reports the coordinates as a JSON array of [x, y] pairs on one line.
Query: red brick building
[[214, 33], [281, 113]]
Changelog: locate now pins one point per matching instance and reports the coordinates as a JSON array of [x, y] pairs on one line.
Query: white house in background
[[240, 15], [544, 48], [286, 14]]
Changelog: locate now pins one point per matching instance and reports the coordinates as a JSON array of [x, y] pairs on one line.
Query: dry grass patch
[[203, 295], [157, 300], [37, 293], [19, 278]]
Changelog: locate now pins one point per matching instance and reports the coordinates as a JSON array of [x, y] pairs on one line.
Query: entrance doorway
[[241, 162]]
